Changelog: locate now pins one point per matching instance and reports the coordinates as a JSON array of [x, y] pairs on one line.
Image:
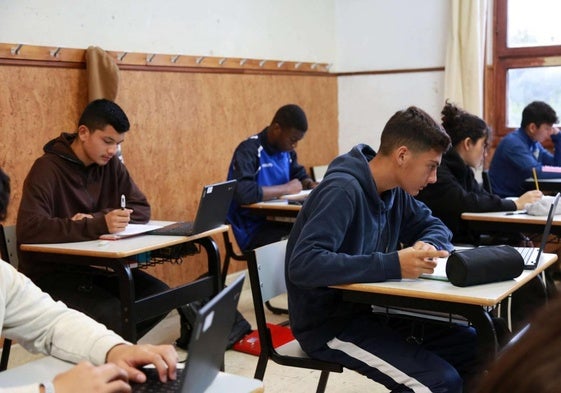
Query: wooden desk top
[[279, 205], [510, 218], [119, 248], [483, 295]]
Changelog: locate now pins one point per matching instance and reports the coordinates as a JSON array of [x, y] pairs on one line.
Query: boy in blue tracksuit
[[265, 167], [362, 224]]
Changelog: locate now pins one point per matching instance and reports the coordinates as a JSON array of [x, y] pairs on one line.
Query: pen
[[536, 178], [517, 212], [123, 202]]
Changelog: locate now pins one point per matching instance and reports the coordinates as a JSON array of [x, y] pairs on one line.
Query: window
[[526, 61]]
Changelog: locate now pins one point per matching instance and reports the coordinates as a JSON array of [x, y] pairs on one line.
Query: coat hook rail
[[15, 51]]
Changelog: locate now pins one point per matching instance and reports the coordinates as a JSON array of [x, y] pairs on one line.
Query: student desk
[[46, 368], [504, 222], [550, 186], [275, 208], [441, 296], [113, 254]]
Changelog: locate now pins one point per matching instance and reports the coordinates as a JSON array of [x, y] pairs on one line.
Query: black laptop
[[211, 213], [206, 348], [532, 255]]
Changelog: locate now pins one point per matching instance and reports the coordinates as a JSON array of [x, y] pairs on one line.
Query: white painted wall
[[353, 35], [378, 35], [262, 29]]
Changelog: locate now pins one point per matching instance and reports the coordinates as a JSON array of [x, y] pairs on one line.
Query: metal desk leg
[[127, 298], [213, 254]]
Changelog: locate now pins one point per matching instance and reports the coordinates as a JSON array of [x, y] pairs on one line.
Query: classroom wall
[[378, 36]]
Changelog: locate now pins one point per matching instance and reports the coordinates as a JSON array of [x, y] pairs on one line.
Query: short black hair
[[291, 116], [460, 125], [4, 194], [101, 113], [415, 129], [538, 112]]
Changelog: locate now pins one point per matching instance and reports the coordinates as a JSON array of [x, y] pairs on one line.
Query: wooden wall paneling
[[184, 129]]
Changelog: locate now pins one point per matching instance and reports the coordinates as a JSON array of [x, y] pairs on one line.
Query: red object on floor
[[251, 344]]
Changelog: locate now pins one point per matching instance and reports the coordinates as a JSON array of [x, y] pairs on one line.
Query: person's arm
[[297, 171], [244, 168]]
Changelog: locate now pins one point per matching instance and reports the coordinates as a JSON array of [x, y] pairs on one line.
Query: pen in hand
[[123, 202]]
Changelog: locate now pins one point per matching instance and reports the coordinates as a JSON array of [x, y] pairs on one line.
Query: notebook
[[532, 255], [206, 348], [211, 213]]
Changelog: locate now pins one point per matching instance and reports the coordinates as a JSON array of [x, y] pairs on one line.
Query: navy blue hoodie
[[347, 233]]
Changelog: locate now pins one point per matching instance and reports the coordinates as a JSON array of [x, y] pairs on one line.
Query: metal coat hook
[[15, 51], [55, 52], [262, 63], [314, 66], [297, 65], [174, 59], [222, 61], [149, 58], [122, 56], [280, 64], [243, 61], [200, 60], [328, 66]]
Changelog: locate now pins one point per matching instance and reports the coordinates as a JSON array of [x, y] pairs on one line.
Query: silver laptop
[[206, 348], [532, 255], [211, 213]]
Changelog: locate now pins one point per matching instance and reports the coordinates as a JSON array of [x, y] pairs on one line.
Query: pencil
[[536, 178]]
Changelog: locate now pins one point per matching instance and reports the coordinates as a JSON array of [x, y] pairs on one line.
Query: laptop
[[532, 255], [206, 348], [211, 213]]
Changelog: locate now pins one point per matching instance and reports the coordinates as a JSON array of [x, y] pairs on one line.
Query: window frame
[[504, 59]]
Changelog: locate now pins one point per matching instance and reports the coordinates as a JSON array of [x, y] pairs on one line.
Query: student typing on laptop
[[73, 193], [266, 167], [39, 324]]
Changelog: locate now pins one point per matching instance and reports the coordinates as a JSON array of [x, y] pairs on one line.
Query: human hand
[[415, 262], [118, 219], [86, 378], [293, 187], [132, 357], [309, 184], [80, 216], [528, 197]]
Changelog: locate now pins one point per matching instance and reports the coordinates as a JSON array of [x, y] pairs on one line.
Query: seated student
[[73, 193], [351, 229], [39, 324], [521, 151], [266, 167], [531, 362], [456, 191]]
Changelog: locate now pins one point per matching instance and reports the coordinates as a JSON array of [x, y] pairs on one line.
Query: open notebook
[[206, 348]]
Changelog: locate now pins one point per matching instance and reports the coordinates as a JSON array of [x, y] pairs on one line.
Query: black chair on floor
[[266, 274]]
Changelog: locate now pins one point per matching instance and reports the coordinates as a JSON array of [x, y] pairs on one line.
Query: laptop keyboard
[[529, 255], [153, 384], [180, 228]]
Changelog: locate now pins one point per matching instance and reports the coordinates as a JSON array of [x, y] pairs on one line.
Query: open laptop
[[532, 255], [206, 348], [211, 213]]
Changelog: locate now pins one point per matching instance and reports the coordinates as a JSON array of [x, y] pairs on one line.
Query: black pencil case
[[483, 265]]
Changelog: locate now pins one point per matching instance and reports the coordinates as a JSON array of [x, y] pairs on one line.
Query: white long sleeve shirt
[[38, 323]]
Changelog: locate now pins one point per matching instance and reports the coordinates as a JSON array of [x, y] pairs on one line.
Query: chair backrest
[[8, 244], [318, 172], [270, 269]]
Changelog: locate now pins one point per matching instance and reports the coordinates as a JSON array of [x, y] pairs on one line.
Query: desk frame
[[134, 311], [501, 222]]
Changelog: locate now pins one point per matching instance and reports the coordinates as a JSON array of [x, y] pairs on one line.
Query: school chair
[[232, 254], [318, 172], [8, 251], [266, 274]]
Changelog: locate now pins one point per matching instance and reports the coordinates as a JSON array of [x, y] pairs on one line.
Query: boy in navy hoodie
[[362, 224]]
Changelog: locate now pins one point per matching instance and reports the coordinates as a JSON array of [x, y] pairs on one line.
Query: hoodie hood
[[61, 147]]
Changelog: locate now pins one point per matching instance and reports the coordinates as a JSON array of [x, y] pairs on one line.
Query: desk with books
[[113, 254], [441, 296]]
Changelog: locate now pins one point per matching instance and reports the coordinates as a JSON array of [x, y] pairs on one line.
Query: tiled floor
[[278, 379]]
